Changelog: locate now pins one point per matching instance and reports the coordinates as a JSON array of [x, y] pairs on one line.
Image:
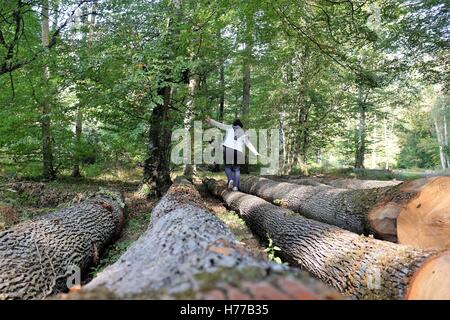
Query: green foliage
[[271, 251], [309, 64], [134, 227], [419, 152], [93, 170]]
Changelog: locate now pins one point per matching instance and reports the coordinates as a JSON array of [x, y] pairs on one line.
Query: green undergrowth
[[133, 229], [235, 223]]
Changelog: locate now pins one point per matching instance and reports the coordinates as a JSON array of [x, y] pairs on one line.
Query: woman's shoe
[[235, 189], [230, 184]]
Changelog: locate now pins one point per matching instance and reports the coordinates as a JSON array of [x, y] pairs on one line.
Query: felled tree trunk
[[414, 213], [359, 266], [301, 181], [187, 252], [353, 184], [44, 256], [48, 171]]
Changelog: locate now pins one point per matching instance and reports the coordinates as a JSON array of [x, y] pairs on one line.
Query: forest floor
[[21, 200]]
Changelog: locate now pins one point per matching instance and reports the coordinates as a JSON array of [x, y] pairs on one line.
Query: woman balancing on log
[[233, 147]]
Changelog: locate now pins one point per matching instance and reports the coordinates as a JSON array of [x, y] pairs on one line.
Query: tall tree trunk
[[216, 166], [246, 67], [440, 141], [246, 88], [361, 131], [446, 145], [187, 252], [283, 150], [190, 169], [386, 142], [157, 163], [373, 164], [440, 116], [49, 254], [319, 156], [305, 145], [79, 117], [222, 91], [48, 171], [246, 105], [390, 137], [414, 212], [358, 266], [246, 74], [78, 131]]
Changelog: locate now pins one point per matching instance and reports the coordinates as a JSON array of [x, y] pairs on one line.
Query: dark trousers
[[232, 158]]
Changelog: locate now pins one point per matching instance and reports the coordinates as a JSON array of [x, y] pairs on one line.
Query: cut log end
[[432, 281], [418, 215], [425, 220]]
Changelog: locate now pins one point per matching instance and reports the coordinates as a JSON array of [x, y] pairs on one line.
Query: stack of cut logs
[[388, 242], [342, 239]]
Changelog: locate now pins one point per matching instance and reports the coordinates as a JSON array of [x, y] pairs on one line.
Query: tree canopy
[[86, 84]]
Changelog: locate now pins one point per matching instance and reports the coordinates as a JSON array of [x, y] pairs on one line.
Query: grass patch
[[235, 223]]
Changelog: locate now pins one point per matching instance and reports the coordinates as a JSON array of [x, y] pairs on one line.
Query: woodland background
[[89, 86]]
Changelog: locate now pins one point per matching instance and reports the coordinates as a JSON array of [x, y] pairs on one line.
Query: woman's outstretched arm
[[250, 146], [218, 124]]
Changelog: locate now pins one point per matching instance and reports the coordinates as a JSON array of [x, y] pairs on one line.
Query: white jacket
[[231, 132]]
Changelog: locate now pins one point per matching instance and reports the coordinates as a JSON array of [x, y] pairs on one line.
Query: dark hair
[[238, 122]]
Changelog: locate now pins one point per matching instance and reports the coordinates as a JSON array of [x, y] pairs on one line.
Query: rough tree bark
[[343, 183], [216, 166], [222, 91], [187, 252], [246, 74], [413, 212], [157, 163], [190, 169], [358, 266], [355, 184], [40, 257], [78, 131]]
